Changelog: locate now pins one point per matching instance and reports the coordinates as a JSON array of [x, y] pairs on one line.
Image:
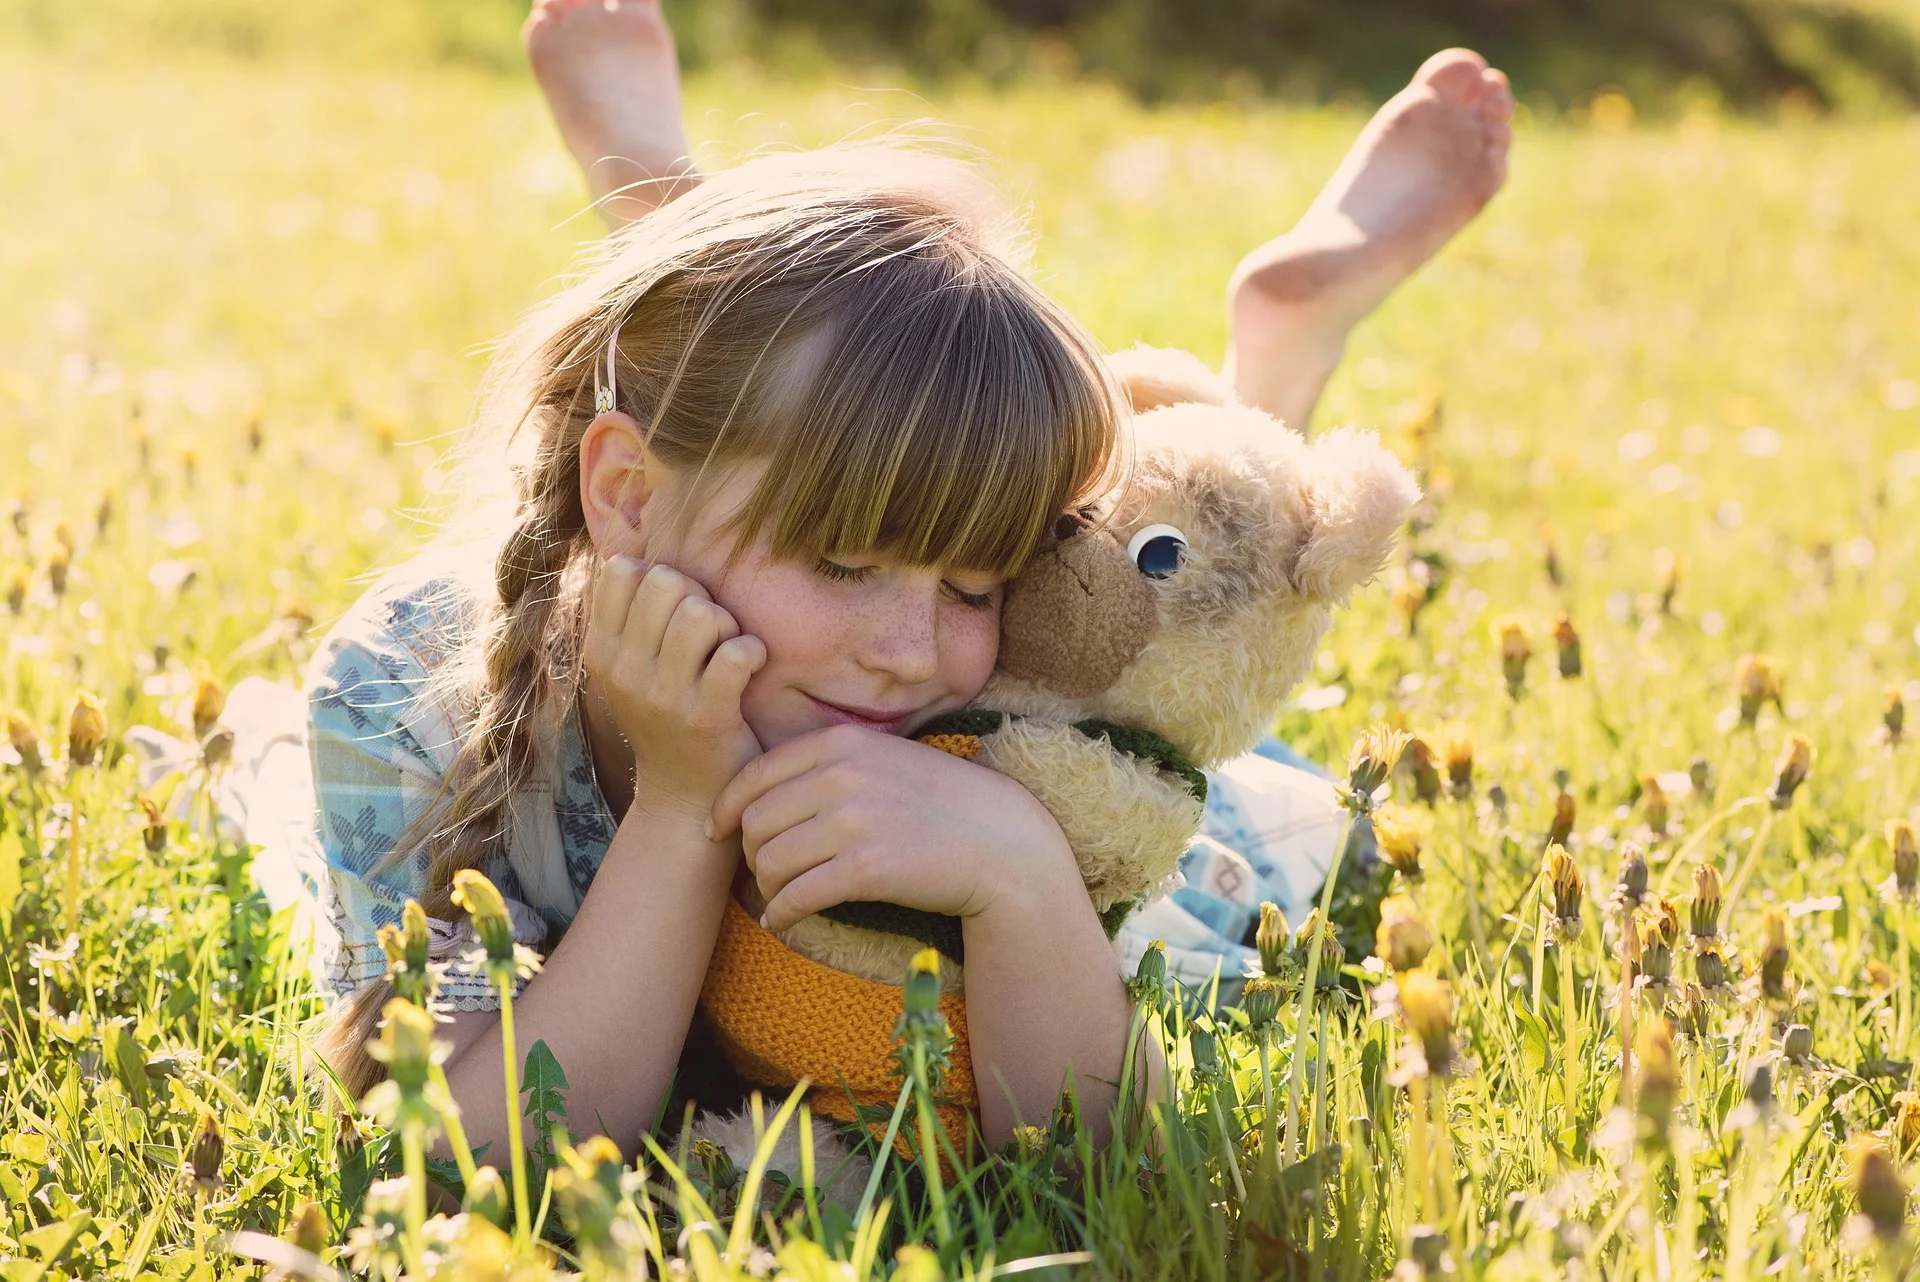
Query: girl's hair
[[852, 317]]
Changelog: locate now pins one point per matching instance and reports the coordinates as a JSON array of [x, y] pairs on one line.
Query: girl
[[777, 452]]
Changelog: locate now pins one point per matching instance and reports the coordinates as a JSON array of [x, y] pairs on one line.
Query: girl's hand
[[846, 814], [670, 665]]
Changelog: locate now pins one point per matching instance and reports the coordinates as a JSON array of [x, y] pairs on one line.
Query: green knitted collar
[[939, 931]]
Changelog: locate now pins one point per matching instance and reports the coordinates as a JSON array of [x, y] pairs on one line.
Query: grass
[[246, 307]]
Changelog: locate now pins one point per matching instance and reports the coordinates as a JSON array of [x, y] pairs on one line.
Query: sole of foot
[[1428, 161], [611, 77]]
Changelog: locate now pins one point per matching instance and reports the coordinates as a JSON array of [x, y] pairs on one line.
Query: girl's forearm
[[615, 998], [1045, 999]]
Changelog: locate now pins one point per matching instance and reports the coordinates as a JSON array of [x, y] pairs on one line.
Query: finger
[[733, 664], [774, 812], [817, 889], [769, 770], [694, 630], [660, 593], [791, 855], [614, 584]]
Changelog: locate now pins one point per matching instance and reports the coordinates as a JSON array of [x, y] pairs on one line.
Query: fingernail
[[763, 922], [624, 562], [708, 828]]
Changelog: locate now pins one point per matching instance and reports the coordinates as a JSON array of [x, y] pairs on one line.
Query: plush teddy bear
[[1154, 637]]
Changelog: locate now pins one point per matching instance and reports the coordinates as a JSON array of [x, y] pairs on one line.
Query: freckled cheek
[[969, 649]]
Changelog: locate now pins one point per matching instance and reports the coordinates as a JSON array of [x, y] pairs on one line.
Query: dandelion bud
[[256, 432], [1397, 834], [488, 913], [1651, 946], [720, 1170], [922, 992], [1457, 747], [1906, 857], [309, 1231], [1029, 1142], [204, 1154], [1550, 559], [209, 701], [1409, 599], [217, 748], [18, 513], [1497, 798], [1402, 940], [1630, 885], [1567, 642], [1757, 683], [1666, 577], [17, 584], [1878, 1186], [1510, 632], [1372, 760], [1426, 777], [1564, 811], [58, 562], [1260, 999], [24, 742], [1653, 800], [103, 512], [153, 828], [1693, 1012], [86, 729], [1569, 888], [1272, 938], [487, 1198], [1703, 910], [1774, 953], [1206, 1054], [1149, 980], [1797, 1043], [1426, 1005], [1796, 759], [1656, 1079], [1893, 715], [1905, 1128], [1880, 977], [405, 1044], [1332, 954], [1710, 964], [1700, 775]]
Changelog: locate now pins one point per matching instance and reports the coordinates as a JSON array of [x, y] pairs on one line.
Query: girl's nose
[[904, 644]]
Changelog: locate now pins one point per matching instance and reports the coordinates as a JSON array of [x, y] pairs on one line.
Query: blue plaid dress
[[380, 737]]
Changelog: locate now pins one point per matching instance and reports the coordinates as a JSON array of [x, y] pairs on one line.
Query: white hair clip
[[603, 392]]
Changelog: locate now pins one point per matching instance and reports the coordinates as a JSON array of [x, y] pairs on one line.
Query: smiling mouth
[[872, 718]]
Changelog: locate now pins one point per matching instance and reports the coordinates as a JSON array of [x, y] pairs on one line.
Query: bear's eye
[[1157, 550]]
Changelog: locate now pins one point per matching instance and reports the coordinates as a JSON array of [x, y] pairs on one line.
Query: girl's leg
[[611, 77], [1426, 163]]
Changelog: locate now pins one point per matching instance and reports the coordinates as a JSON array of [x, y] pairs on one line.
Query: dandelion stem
[[414, 1156], [1747, 862], [1906, 978], [516, 1146], [1417, 1151], [456, 1130], [929, 1154], [75, 832], [1230, 1143], [1570, 1027], [1303, 1017], [1269, 1121]]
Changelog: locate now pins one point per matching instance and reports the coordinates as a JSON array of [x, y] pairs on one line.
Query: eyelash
[[861, 573]]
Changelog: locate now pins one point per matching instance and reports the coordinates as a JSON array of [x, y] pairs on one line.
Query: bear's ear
[[1156, 376], [1357, 496]]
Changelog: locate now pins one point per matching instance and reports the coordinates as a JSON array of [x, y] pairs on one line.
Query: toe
[[1495, 100], [1456, 75]]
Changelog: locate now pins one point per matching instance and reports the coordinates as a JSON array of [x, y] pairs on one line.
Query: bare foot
[[1427, 162], [611, 78]]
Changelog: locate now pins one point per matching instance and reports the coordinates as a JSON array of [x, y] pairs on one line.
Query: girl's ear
[[618, 474]]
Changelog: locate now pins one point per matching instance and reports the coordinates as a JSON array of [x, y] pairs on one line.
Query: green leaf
[[29, 1146], [544, 1083], [1534, 1042], [126, 1058], [11, 855], [50, 1243]]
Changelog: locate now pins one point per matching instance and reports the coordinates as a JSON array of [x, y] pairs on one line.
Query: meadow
[[1667, 387]]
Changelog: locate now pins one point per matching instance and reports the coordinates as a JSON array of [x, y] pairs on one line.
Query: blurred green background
[[1664, 54]]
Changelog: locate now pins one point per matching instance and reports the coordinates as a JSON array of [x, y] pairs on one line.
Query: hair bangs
[[948, 418]]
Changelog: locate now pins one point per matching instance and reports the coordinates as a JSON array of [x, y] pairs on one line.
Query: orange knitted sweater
[[783, 1018]]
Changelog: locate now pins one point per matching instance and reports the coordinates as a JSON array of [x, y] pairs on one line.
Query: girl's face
[[861, 640]]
